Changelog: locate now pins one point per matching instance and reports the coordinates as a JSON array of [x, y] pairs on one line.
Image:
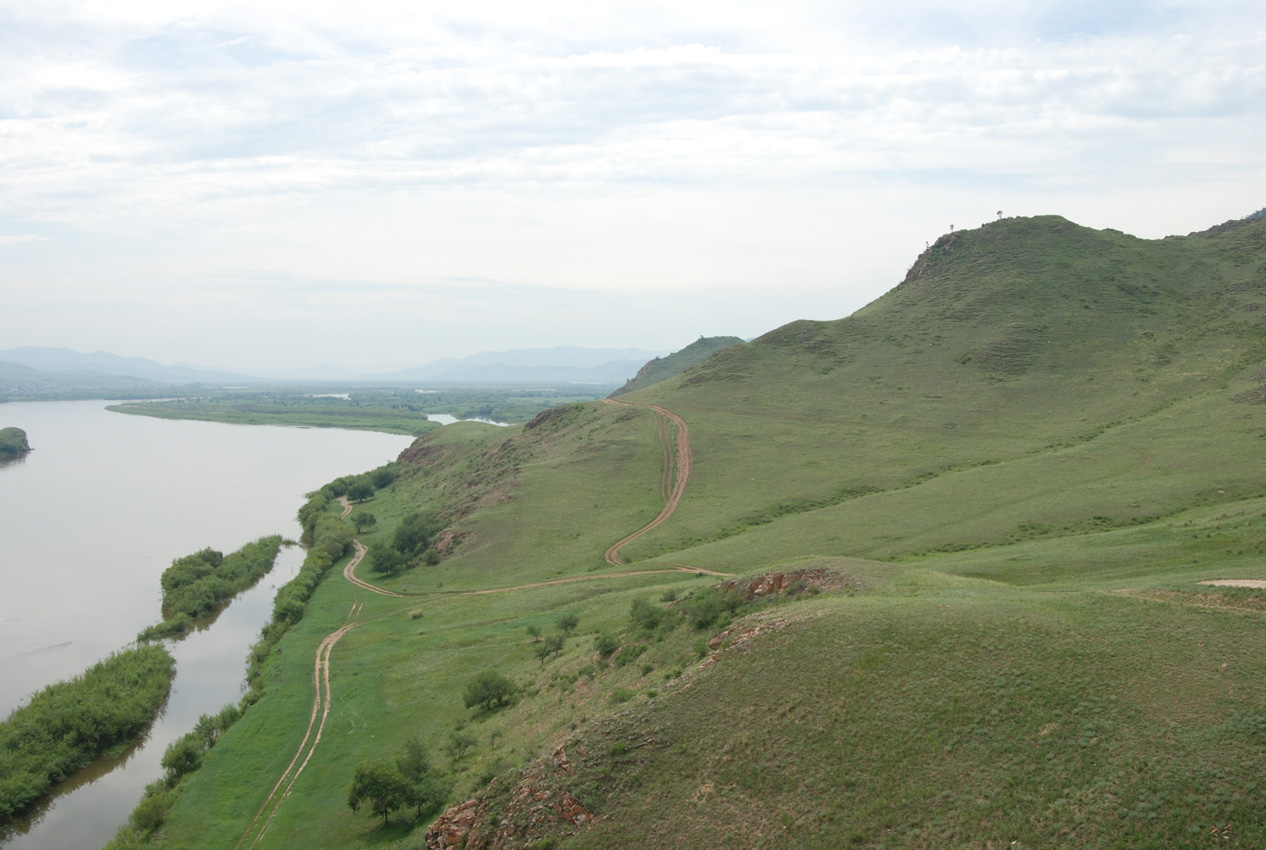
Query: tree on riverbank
[[380, 784]]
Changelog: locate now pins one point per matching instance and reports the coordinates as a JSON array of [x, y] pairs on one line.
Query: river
[[89, 521]]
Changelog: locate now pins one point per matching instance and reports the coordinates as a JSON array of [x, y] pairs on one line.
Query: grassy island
[[13, 441], [69, 724]]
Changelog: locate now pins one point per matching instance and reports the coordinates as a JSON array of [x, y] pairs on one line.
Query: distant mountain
[[322, 372], [19, 380], [663, 368], [102, 364], [563, 364]]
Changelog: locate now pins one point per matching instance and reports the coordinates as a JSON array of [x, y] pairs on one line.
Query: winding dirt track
[[673, 479]]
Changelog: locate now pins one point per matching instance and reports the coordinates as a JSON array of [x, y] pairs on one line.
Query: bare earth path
[[673, 479], [674, 438]]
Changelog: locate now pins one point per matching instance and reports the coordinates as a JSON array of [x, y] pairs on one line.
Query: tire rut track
[[674, 477], [674, 441]]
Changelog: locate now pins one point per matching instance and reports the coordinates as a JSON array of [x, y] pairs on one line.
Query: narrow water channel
[[92, 517]]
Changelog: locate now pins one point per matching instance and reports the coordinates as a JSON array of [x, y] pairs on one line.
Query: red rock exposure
[[791, 582], [538, 806], [452, 827]]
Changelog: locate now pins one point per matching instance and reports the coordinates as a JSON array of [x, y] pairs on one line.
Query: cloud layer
[[232, 161]]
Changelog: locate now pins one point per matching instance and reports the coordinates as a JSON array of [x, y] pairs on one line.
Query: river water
[[88, 522]]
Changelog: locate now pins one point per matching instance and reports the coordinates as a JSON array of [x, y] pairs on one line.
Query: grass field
[[1018, 465]]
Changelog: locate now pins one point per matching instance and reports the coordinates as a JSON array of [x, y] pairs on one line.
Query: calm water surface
[[88, 522]]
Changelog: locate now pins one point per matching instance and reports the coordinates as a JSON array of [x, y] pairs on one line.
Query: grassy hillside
[[1005, 477], [663, 368]]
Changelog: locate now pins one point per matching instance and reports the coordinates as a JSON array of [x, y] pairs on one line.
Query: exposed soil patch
[[794, 581], [539, 806]]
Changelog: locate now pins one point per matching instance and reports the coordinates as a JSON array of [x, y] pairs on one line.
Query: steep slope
[[1008, 357], [663, 368]]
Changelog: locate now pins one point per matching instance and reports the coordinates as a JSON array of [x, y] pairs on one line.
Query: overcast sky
[[271, 185]]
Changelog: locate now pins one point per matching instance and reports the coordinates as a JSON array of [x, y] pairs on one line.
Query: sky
[[267, 186]]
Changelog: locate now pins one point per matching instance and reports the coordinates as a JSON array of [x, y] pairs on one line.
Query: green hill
[[982, 504], [663, 368]]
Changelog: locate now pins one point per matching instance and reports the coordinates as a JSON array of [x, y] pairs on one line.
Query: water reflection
[[88, 775], [93, 518], [7, 459]]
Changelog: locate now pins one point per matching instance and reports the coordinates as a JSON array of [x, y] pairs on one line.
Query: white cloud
[[597, 147]]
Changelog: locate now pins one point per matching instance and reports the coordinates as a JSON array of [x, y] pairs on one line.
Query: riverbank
[[169, 488]]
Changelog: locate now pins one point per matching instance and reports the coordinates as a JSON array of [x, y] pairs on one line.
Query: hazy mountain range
[[48, 369]]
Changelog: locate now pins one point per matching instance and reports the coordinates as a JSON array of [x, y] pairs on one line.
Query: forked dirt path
[[674, 438], [349, 573]]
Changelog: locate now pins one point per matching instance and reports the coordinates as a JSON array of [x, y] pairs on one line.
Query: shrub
[[150, 813], [606, 644], [629, 654], [488, 690]]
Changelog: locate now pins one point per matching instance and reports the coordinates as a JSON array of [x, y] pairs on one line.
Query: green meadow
[[1016, 467]]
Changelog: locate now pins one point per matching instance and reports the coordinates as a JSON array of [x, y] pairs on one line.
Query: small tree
[[362, 520], [459, 743], [415, 531], [427, 788], [552, 645], [380, 784], [384, 559], [360, 490], [568, 622], [489, 689], [645, 616]]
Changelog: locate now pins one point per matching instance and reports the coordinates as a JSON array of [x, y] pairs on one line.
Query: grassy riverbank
[[393, 411]]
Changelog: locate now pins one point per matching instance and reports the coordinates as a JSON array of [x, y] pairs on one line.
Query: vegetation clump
[[197, 584], [489, 689], [409, 780], [13, 441], [69, 724]]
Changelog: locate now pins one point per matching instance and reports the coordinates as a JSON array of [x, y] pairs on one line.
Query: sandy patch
[[1238, 582]]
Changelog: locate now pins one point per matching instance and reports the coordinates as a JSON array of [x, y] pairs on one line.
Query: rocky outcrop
[[795, 581], [539, 805], [453, 827]]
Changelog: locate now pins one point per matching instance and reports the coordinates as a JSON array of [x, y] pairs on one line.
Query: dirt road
[[674, 439], [673, 478]]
